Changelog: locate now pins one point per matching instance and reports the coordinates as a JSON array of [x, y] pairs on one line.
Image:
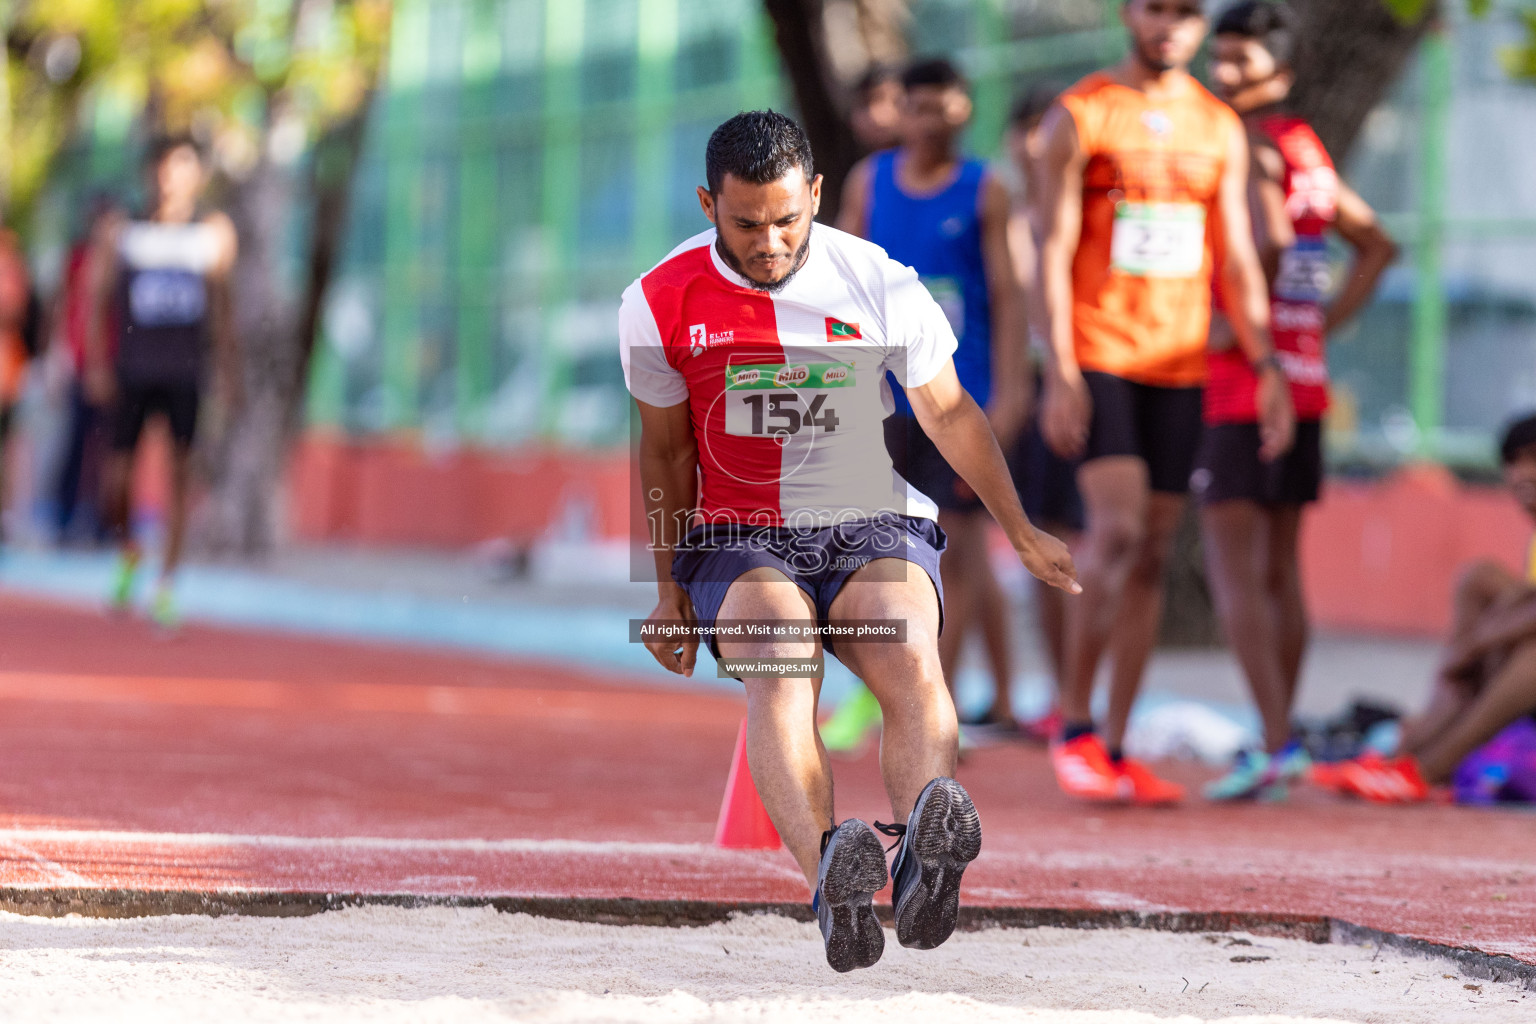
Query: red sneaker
[[1397, 781], [1083, 770], [1147, 788]]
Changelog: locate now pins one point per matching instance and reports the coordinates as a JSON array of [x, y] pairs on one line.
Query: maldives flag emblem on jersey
[[839, 331]]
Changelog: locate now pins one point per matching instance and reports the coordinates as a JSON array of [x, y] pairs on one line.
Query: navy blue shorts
[[820, 560]]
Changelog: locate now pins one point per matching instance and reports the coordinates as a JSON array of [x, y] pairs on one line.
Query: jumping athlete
[[1250, 509], [1146, 197], [163, 281], [947, 218], [757, 353]]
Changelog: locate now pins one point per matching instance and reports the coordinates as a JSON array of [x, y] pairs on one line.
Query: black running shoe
[[852, 871], [942, 836]]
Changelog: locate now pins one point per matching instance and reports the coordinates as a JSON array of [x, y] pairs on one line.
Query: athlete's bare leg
[[1141, 612], [997, 633], [1051, 606], [116, 476], [975, 598], [176, 513], [1509, 693], [789, 765], [1283, 581], [1237, 555], [1116, 495], [919, 741], [1483, 587]]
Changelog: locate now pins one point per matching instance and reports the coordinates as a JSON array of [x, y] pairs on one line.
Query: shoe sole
[[947, 837], [855, 873]]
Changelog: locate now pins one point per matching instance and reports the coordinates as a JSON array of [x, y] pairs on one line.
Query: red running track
[[237, 762]]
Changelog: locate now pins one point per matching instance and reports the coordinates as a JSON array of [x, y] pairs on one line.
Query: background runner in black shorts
[[1229, 468], [1160, 426]]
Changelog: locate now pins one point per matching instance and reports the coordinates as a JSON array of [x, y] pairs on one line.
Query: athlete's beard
[[777, 286], [1150, 59]]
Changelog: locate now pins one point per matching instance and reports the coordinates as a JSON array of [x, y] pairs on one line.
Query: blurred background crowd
[[438, 203]]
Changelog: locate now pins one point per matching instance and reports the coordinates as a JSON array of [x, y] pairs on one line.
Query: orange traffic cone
[[744, 822]]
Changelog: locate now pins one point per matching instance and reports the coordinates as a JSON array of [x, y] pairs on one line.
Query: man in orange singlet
[[1145, 178]]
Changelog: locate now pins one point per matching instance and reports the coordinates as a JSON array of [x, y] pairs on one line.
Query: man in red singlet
[[1250, 508]]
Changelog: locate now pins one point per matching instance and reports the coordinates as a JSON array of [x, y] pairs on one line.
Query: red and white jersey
[[1296, 309], [787, 390]]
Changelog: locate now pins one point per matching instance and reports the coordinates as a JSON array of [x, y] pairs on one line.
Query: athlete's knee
[[1117, 537], [773, 695], [1482, 581]]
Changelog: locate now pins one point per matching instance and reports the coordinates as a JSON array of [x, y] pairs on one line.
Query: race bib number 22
[[1158, 239]]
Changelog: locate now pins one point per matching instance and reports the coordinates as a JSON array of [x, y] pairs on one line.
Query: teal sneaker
[[1292, 763], [1250, 774], [853, 723], [1256, 775]]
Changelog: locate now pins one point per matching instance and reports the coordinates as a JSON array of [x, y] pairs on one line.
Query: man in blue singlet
[[947, 217]]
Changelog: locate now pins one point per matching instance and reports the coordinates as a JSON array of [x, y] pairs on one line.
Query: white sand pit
[[463, 965]]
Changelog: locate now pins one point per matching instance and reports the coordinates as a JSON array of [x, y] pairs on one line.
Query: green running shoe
[[853, 722], [163, 609], [122, 583]]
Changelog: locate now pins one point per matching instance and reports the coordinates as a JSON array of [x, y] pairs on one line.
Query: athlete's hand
[[1277, 416], [1050, 562], [1065, 414], [674, 655]]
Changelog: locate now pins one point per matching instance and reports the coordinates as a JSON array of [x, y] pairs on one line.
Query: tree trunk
[[1350, 55], [276, 330], [243, 461], [799, 30]]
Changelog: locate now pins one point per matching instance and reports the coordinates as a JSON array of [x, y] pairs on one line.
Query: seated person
[[1487, 677]]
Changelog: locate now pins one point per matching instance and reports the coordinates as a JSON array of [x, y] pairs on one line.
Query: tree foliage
[[219, 68]]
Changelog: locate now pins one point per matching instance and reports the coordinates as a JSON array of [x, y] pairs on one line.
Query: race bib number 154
[[765, 399], [1158, 239]]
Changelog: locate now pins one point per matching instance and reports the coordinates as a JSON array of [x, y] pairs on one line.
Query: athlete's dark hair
[[1269, 23], [1032, 105], [162, 146], [1519, 434], [876, 76], [757, 146], [933, 71]]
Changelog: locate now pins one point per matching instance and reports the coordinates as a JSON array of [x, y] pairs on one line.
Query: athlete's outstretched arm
[[669, 483], [959, 429], [1247, 301], [1009, 404], [1065, 412], [853, 212], [1374, 252]]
